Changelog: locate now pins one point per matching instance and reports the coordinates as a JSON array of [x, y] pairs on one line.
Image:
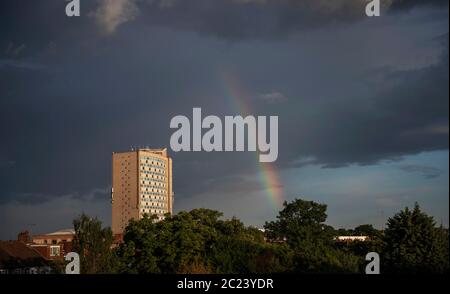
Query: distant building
[[53, 245], [141, 184], [18, 258], [351, 238]]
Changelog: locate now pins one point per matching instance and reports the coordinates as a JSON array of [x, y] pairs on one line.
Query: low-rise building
[[18, 258], [54, 245], [351, 238]]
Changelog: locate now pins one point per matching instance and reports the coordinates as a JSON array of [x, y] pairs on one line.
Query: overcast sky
[[362, 104]]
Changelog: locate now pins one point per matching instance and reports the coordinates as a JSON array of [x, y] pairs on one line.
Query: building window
[[54, 250]]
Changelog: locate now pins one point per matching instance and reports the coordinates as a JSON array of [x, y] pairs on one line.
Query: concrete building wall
[[141, 184], [124, 194]]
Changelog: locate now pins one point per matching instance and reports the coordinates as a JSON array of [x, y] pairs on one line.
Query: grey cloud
[[273, 97], [112, 13], [408, 4], [30, 198], [249, 19], [14, 50], [242, 19], [20, 64], [47, 216], [428, 172], [434, 129], [232, 184], [228, 19], [96, 194], [407, 114], [105, 94], [7, 164]]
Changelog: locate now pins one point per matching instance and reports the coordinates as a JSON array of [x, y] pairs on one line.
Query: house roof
[[15, 254], [62, 232], [66, 232]]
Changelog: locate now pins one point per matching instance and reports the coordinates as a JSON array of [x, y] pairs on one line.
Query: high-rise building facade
[[141, 184]]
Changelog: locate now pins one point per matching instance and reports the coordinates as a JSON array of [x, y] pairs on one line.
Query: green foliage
[[441, 253], [136, 254], [244, 250], [196, 242], [302, 225], [298, 241], [367, 230], [413, 244], [360, 248], [93, 244]]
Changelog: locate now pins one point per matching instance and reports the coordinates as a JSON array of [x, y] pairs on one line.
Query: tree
[[243, 250], [367, 230], [299, 240], [413, 244], [198, 242], [360, 248], [177, 244], [301, 224], [343, 232], [93, 244], [441, 252]]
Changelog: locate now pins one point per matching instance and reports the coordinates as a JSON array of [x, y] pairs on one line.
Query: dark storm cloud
[[73, 90], [96, 194], [33, 198], [228, 19], [60, 123], [409, 4], [27, 26], [406, 114], [234, 19], [245, 19], [428, 172]]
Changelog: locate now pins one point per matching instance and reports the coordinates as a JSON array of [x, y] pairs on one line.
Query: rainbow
[[268, 174]]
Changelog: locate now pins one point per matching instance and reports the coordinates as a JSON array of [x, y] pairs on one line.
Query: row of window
[[160, 190], [157, 165], [159, 179], [149, 172], [155, 180], [153, 200], [152, 188], [154, 193], [150, 185], [153, 209], [153, 159], [150, 168], [154, 206]]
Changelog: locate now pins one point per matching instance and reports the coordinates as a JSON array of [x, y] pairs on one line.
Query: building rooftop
[[15, 254], [60, 232], [160, 151]]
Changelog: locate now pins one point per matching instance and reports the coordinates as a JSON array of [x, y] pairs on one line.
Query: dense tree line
[[298, 241]]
